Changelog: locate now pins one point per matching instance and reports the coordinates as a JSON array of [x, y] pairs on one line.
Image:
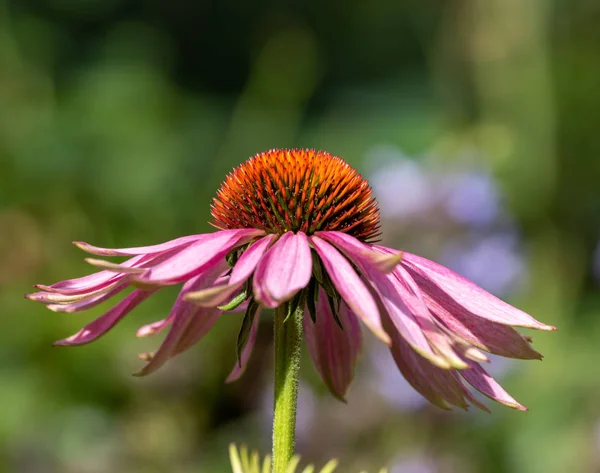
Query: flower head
[[298, 227]]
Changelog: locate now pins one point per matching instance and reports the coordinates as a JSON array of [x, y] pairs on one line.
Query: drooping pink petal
[[105, 322], [444, 286], [382, 261], [350, 287], [89, 302], [196, 257], [181, 316], [140, 250], [154, 327], [437, 385], [240, 366], [333, 350], [90, 282], [212, 296], [485, 384], [59, 298], [491, 336], [201, 321], [403, 309], [283, 270]]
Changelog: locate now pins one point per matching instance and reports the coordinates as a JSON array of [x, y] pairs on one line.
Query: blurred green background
[[476, 122]]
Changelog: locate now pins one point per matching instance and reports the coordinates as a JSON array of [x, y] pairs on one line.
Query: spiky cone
[[298, 228]]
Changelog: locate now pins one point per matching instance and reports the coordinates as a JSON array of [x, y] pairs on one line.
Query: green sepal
[[235, 302], [311, 297], [245, 329], [295, 305]]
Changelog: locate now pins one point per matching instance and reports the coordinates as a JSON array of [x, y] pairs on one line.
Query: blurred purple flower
[[400, 185], [414, 464], [473, 198], [494, 261]]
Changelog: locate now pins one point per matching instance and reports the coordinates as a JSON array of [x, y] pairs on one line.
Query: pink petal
[[181, 316], [445, 286], [240, 367], [350, 287], [196, 257], [104, 323], [437, 385], [140, 250], [490, 336], [333, 350], [403, 308], [247, 263], [154, 327], [200, 324], [384, 261], [91, 282], [212, 296], [59, 298], [89, 302], [284, 270], [485, 384]]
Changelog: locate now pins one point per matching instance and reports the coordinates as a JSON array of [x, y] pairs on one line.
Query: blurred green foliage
[[118, 121]]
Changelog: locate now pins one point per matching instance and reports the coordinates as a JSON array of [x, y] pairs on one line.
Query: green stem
[[288, 338]]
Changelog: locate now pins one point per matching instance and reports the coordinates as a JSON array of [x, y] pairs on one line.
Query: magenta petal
[[104, 323], [284, 270], [485, 384], [181, 316], [494, 337], [247, 263], [140, 250], [154, 327], [95, 281], [333, 350], [88, 303], [350, 287], [437, 385], [196, 257], [445, 286], [240, 366], [201, 321]]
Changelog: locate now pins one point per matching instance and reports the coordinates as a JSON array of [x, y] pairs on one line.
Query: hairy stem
[[288, 339]]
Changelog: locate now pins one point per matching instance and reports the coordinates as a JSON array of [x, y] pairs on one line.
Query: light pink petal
[[437, 385], [485, 384], [402, 307], [200, 324], [384, 261], [439, 339], [333, 350], [104, 323], [89, 302], [154, 327], [240, 366], [247, 263], [181, 316], [350, 287], [491, 336], [196, 257], [140, 250], [59, 298], [284, 270], [91, 282], [444, 286], [212, 296]]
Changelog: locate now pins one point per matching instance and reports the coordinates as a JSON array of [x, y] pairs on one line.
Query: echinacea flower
[[298, 227]]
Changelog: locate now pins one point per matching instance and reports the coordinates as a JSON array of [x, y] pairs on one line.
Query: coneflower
[[297, 232]]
